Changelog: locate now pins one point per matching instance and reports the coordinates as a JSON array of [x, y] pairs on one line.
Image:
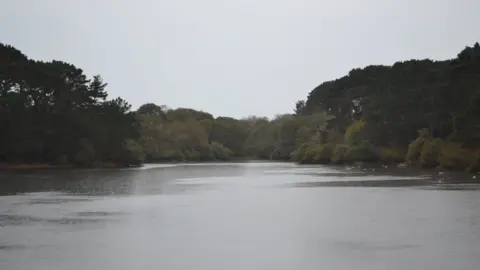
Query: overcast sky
[[233, 57]]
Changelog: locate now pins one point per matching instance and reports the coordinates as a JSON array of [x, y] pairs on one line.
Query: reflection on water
[[6, 220], [109, 182], [239, 216], [146, 179]]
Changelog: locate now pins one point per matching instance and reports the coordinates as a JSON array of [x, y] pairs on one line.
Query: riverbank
[[111, 165], [46, 166]]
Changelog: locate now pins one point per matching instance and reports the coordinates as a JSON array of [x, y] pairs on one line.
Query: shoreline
[[46, 166]]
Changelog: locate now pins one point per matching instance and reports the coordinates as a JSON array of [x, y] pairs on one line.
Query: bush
[[430, 154], [324, 155], [313, 154], [475, 162], [391, 155], [310, 154], [132, 153], [353, 134], [339, 153], [220, 152], [191, 155], [415, 150], [205, 152], [173, 155], [365, 152], [298, 154], [86, 154], [454, 156]]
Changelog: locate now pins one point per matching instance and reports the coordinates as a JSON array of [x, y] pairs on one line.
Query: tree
[[51, 112]]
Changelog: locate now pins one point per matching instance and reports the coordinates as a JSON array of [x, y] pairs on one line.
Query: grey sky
[[234, 58]]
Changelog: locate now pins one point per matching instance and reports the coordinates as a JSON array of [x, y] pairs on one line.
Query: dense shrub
[[454, 156], [313, 153], [430, 154], [353, 134], [132, 153], [191, 155], [365, 152], [220, 152], [86, 153], [391, 155], [310, 154], [324, 154], [298, 154], [173, 155], [205, 152], [415, 150], [338, 156]]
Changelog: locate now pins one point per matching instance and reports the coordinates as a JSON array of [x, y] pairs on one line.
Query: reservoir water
[[239, 216]]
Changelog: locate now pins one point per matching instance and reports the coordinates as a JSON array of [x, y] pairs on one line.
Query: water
[[239, 216]]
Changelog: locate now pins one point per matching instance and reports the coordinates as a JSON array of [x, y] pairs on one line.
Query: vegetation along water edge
[[418, 112]]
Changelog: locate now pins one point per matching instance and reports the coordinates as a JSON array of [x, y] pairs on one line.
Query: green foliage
[[339, 153], [353, 135], [85, 154], [431, 152], [304, 135], [221, 152], [310, 154], [260, 142], [172, 155], [132, 153], [299, 153], [324, 154], [50, 112], [415, 150], [365, 152], [454, 156], [231, 133], [153, 110], [395, 101], [391, 155], [186, 134], [184, 114]]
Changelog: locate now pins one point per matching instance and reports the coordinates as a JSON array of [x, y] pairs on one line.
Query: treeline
[[421, 111], [50, 112], [189, 135]]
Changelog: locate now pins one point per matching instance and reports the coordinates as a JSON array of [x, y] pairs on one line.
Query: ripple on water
[[16, 220], [56, 200], [12, 247], [366, 183], [440, 186], [99, 214], [367, 246]]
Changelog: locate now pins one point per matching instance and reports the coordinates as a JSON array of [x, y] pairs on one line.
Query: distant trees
[[50, 112], [186, 134], [178, 135], [421, 111], [385, 107]]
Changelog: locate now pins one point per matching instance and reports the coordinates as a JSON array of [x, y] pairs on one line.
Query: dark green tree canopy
[[51, 112]]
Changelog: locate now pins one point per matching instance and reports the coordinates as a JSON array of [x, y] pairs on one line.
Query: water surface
[[239, 216]]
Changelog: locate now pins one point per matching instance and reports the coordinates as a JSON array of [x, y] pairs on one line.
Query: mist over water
[[239, 216]]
